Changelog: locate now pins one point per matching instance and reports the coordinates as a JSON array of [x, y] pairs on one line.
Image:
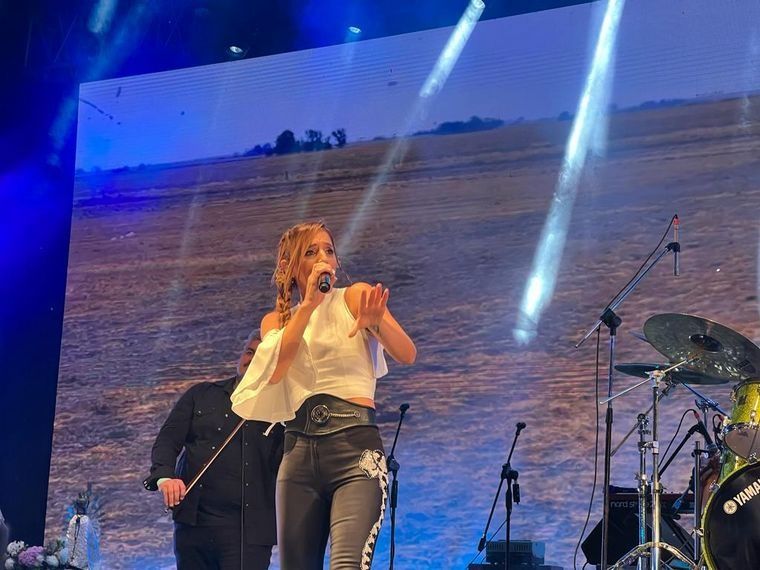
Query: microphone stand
[[692, 430], [393, 467], [612, 321], [513, 492]]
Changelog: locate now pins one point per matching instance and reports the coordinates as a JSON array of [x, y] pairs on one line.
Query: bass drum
[[731, 522]]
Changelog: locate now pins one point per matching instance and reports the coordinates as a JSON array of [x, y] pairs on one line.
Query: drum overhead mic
[[702, 429], [676, 248]]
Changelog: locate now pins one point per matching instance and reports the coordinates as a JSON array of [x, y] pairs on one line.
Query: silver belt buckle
[[320, 414]]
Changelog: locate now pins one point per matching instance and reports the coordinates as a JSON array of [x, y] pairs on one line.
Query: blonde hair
[[291, 250]]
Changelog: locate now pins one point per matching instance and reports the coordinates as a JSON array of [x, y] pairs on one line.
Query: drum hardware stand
[[643, 486], [694, 484], [704, 403], [663, 393], [654, 548], [612, 322], [697, 453]]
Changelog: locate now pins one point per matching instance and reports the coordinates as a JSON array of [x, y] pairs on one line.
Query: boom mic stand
[[612, 322], [393, 467], [512, 493]]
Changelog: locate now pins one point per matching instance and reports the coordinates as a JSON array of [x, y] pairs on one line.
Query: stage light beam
[[434, 82], [101, 16], [588, 133]]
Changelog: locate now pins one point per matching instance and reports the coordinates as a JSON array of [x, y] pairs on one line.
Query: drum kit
[[701, 352]]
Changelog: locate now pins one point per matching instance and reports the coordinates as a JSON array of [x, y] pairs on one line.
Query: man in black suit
[[227, 520]]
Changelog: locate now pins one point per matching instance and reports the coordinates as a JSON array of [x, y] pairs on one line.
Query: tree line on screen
[[287, 143], [314, 140]]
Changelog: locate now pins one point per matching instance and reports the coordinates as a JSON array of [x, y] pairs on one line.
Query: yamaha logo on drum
[[729, 507], [749, 492]]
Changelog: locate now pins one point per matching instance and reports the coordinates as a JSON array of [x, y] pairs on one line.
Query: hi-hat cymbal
[[681, 374], [716, 350]]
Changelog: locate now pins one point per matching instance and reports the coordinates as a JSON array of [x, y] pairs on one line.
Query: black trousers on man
[[217, 548]]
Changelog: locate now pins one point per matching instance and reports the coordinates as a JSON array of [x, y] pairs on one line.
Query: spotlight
[[355, 30], [235, 52]]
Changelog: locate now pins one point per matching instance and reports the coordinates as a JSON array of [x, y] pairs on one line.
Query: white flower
[[9, 564], [51, 561], [15, 547]]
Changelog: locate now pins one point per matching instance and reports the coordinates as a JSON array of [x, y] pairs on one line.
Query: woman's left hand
[[371, 309]]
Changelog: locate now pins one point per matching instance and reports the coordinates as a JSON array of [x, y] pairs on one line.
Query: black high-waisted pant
[[331, 486]]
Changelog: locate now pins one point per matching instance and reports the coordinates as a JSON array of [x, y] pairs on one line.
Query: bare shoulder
[[269, 322], [354, 293]]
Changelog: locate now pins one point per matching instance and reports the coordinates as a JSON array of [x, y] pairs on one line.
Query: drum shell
[[717, 469], [742, 431], [731, 540]]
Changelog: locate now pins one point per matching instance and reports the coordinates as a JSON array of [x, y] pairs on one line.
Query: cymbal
[[681, 374], [717, 350], [639, 335]]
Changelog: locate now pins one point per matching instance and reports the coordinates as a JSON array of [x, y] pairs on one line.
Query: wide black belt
[[323, 414]]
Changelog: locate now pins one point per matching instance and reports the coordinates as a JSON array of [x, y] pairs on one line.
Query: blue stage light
[[235, 52], [101, 16]]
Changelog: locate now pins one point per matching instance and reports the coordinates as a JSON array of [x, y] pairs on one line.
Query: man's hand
[[173, 491]]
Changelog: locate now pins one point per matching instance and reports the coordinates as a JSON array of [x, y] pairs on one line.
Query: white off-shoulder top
[[327, 362]]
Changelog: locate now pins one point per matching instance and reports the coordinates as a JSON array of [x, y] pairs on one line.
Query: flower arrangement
[[79, 548], [22, 556]]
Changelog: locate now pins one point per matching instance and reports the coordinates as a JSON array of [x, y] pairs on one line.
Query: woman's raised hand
[[372, 306]]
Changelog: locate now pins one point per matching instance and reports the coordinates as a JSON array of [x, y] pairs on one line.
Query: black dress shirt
[[240, 483]]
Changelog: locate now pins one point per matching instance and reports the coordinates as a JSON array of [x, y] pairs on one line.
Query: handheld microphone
[[324, 283], [403, 408], [520, 426], [676, 248]]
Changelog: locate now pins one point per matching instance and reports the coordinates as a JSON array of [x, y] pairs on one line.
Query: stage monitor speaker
[[624, 535]]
